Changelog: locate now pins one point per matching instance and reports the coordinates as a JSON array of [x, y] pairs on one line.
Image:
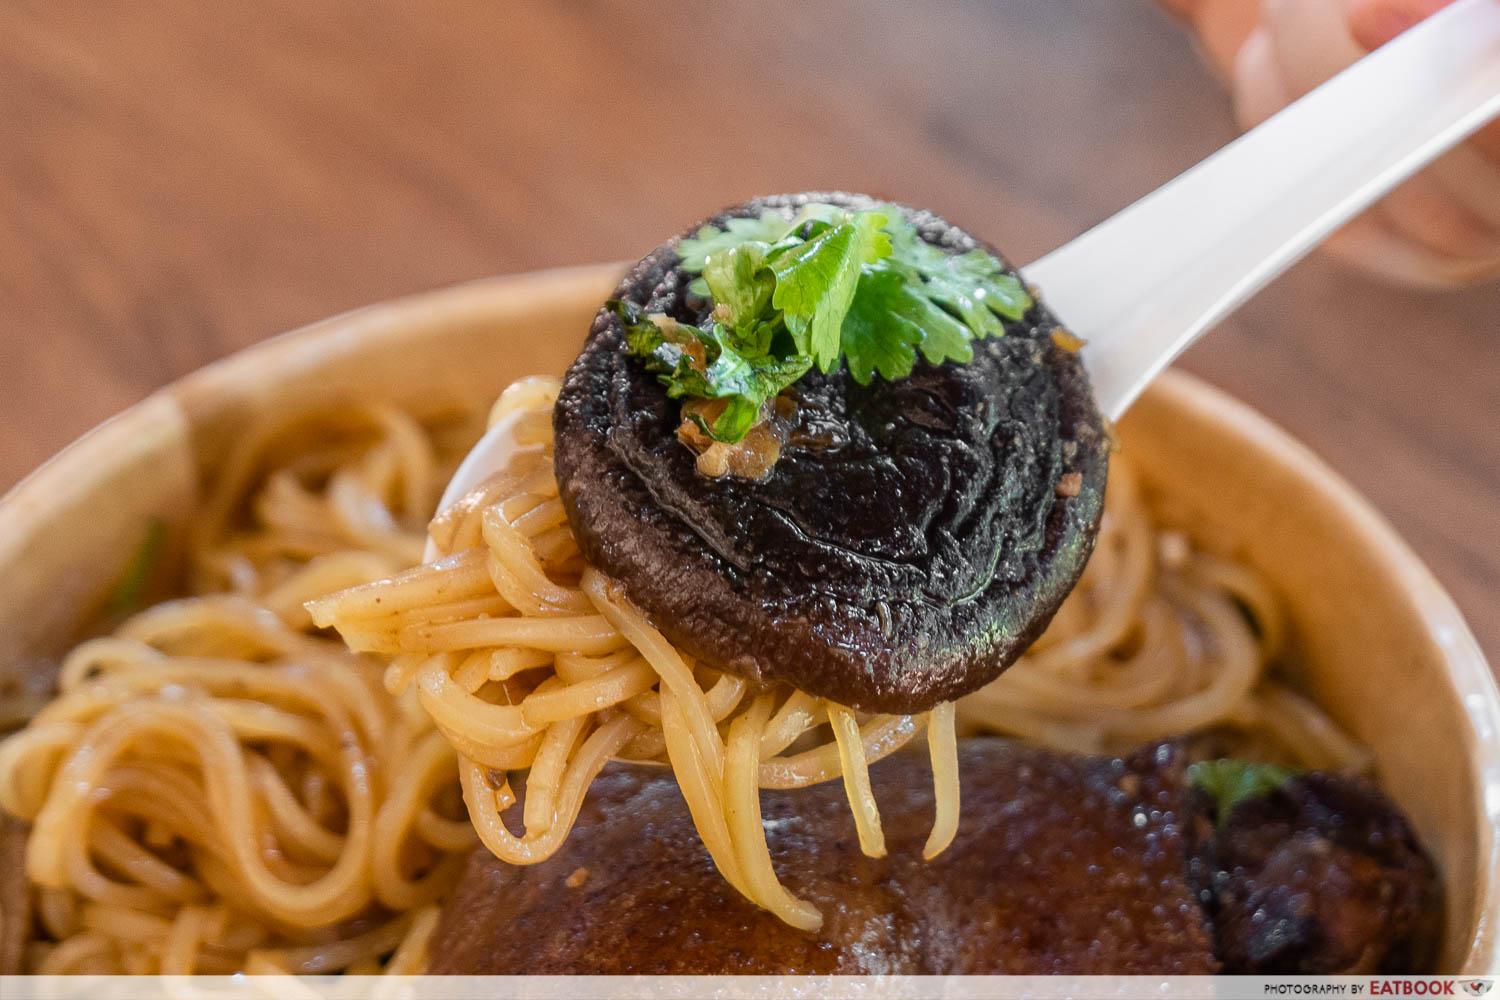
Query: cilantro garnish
[[694, 363], [825, 287], [1231, 782], [129, 595]]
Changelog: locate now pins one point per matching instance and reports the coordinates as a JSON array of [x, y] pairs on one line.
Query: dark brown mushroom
[[908, 545]]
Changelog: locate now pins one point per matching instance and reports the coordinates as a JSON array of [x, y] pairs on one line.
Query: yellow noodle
[[443, 834], [324, 575], [126, 924], [458, 577], [589, 634], [85, 952], [183, 939], [703, 792], [426, 770], [942, 743], [856, 780], [410, 957], [1160, 638], [596, 694], [546, 774], [216, 789], [473, 671], [580, 654], [799, 713], [336, 955], [879, 736], [742, 807]]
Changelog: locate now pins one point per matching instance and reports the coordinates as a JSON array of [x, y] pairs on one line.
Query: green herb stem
[[824, 288]]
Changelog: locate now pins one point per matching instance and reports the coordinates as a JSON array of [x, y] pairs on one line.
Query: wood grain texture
[[180, 180]]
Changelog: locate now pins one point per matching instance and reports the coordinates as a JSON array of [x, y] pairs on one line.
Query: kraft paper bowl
[[1375, 639]]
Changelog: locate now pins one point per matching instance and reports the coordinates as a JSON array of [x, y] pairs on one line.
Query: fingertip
[[1260, 90], [1487, 141], [1375, 22]]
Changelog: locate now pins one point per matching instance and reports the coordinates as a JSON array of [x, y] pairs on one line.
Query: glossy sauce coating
[[1061, 864], [1324, 875], [911, 541]]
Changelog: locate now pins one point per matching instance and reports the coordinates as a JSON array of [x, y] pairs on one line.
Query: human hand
[[1441, 228]]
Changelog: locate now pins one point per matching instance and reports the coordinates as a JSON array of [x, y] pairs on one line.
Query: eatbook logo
[[1476, 987]]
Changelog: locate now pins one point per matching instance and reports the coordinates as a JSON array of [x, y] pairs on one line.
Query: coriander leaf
[[975, 280], [825, 285], [685, 380], [740, 285], [760, 378], [694, 363], [973, 286], [943, 337], [736, 420], [663, 343], [768, 228], [130, 593], [816, 279], [820, 212], [753, 341], [642, 336], [889, 320], [1231, 782], [732, 423], [744, 383]]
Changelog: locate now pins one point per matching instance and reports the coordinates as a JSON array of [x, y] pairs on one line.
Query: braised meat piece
[[1322, 875], [1061, 864]]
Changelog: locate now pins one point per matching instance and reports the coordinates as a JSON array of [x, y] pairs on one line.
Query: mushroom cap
[[914, 537]]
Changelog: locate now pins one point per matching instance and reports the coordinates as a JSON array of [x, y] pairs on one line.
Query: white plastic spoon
[[1144, 285]]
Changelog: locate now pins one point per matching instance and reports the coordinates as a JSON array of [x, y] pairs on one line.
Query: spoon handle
[[1143, 285]]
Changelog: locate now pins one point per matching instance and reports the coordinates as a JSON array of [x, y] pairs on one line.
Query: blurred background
[[183, 179]]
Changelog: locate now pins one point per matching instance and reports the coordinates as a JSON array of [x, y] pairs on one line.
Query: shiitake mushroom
[[909, 542]]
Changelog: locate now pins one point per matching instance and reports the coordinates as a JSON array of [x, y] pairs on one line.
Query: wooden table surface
[[182, 179]]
